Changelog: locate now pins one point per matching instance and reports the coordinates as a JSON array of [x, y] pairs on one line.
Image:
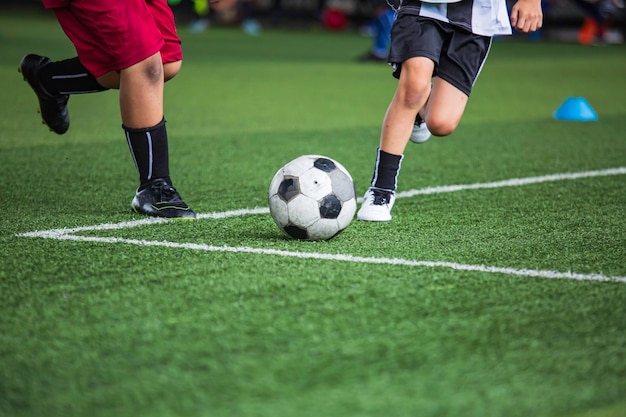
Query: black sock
[[148, 147], [68, 77], [386, 170]]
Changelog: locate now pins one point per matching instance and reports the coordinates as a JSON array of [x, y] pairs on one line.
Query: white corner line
[[346, 258], [514, 182], [70, 233], [54, 233]]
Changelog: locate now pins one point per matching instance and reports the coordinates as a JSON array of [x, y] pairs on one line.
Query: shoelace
[[418, 120], [168, 193], [381, 197]]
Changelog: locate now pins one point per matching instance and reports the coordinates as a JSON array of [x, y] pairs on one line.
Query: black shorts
[[458, 54]]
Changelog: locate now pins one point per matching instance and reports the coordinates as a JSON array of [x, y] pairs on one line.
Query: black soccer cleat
[[53, 108], [160, 199]]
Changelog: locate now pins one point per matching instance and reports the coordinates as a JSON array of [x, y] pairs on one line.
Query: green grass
[[118, 329]]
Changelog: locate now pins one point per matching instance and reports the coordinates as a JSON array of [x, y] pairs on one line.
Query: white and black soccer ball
[[312, 198]]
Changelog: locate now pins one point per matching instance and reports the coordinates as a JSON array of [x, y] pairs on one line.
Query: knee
[[171, 69], [150, 69], [439, 125], [414, 96], [153, 69]]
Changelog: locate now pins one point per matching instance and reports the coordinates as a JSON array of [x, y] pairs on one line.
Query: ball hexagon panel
[[296, 232], [324, 164], [348, 208], [315, 184], [342, 185], [323, 229], [303, 211], [276, 180], [299, 165], [330, 207], [279, 210], [288, 188]]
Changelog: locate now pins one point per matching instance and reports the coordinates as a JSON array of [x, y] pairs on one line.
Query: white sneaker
[[376, 205], [420, 133]]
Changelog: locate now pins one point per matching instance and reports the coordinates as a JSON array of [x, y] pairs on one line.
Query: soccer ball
[[312, 198]]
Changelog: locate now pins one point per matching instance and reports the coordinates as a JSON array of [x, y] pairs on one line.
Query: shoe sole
[[19, 69], [144, 213], [137, 209], [365, 219], [43, 122]]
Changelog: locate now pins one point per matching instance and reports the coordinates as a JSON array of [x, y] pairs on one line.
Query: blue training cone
[[576, 109]]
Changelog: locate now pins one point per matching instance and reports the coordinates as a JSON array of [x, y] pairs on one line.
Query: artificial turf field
[[504, 296]]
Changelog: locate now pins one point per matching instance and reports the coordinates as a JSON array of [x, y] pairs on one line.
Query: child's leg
[[410, 96], [441, 107], [141, 93], [444, 108], [141, 107], [112, 79]]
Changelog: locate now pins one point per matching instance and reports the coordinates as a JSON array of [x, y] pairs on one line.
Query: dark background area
[[561, 17]]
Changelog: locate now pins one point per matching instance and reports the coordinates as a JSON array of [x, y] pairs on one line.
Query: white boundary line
[[515, 182], [70, 234]]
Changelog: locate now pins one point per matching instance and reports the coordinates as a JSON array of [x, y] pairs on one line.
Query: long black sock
[[68, 77], [148, 147], [386, 170]]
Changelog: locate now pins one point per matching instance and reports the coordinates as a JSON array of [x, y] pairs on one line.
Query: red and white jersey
[[481, 17]]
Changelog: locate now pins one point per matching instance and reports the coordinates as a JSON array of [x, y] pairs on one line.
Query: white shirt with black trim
[[481, 17]]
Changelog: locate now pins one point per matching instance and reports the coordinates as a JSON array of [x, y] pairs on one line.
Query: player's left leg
[[441, 114], [444, 108], [53, 82], [454, 79]]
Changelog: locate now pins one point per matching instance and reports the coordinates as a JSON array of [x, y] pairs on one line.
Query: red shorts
[[110, 35]]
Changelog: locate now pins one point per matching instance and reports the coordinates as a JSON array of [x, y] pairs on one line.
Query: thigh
[[414, 36], [164, 19], [110, 35], [462, 58], [446, 104]]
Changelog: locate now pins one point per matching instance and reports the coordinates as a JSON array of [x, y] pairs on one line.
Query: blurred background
[[590, 22]]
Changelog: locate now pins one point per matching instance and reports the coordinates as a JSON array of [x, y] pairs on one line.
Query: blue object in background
[[576, 109]]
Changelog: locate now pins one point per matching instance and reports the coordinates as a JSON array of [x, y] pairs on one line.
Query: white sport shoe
[[420, 133], [376, 205]]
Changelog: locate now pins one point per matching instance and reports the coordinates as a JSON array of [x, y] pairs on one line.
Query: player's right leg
[[141, 106], [411, 95]]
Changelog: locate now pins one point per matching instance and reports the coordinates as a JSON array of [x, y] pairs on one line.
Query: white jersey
[[481, 17]]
